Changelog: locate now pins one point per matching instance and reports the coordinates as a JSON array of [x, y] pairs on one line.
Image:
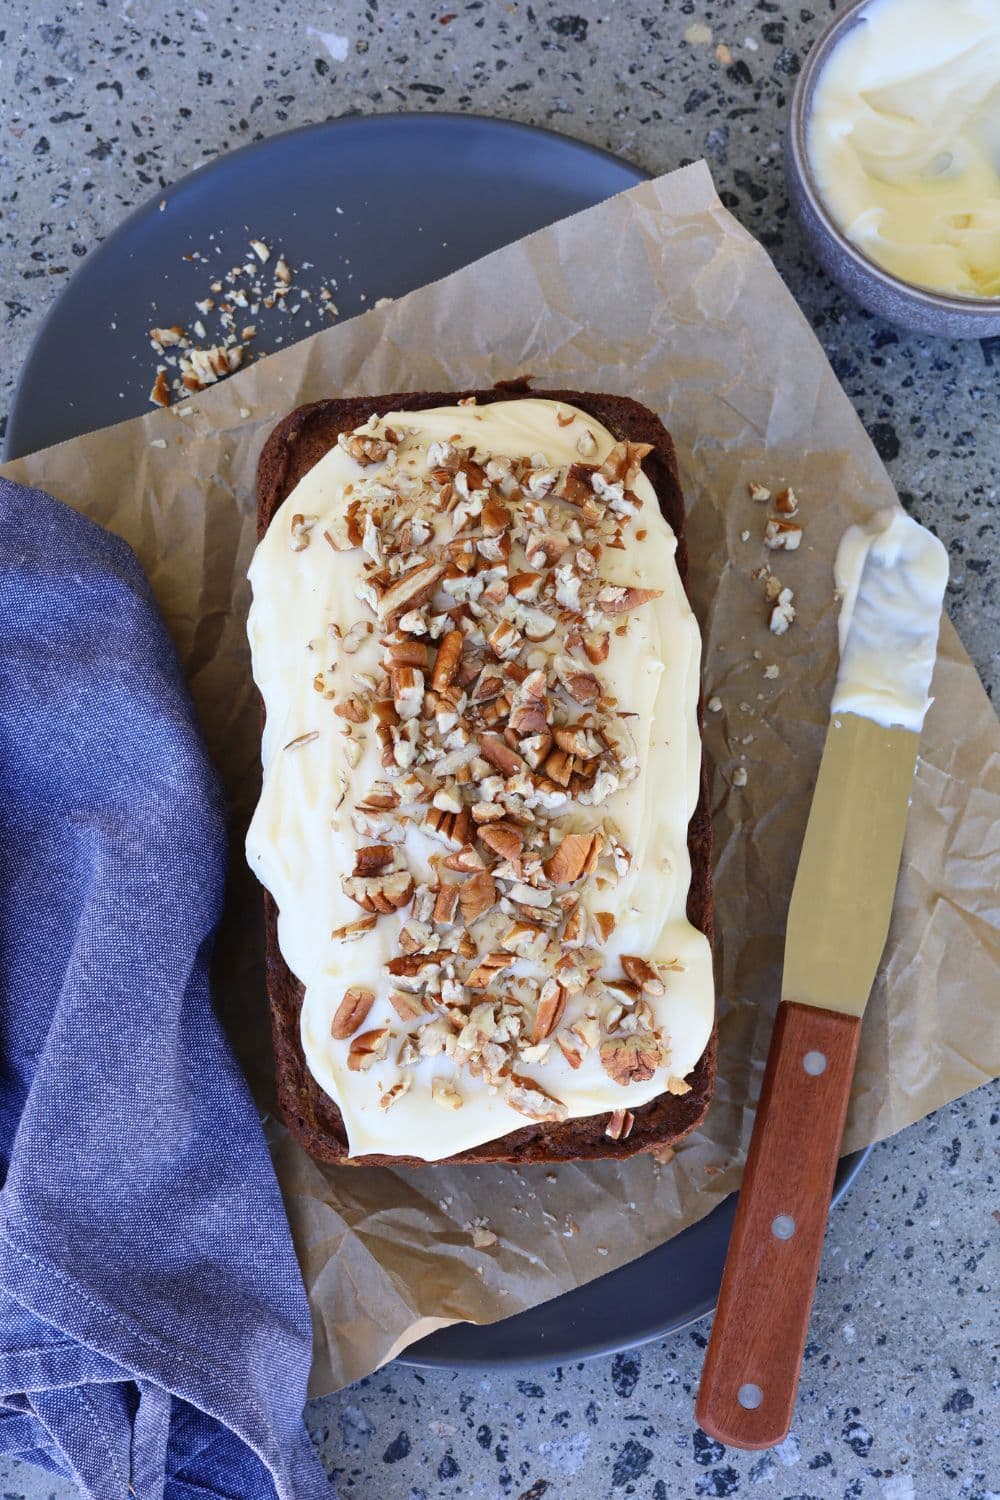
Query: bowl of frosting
[[893, 160]]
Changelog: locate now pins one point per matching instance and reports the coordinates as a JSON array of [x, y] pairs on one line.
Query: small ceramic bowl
[[900, 301]]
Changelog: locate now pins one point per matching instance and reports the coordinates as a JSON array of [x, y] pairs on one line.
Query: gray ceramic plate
[[471, 185]]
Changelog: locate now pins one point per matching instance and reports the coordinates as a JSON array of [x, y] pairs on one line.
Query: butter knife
[[837, 925]]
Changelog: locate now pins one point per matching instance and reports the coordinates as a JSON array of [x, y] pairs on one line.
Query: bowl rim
[[832, 34]]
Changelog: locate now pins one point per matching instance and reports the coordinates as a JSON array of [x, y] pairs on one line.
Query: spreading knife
[[891, 576]]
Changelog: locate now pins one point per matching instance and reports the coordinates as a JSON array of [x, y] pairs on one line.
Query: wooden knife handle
[[751, 1372]]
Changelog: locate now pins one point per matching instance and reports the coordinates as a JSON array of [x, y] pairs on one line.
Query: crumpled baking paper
[[658, 294]]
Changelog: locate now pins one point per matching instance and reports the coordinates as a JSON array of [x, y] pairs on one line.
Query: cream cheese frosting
[[316, 644], [904, 141], [891, 575]]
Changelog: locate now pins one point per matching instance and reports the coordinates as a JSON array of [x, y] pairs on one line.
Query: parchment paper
[[659, 294]]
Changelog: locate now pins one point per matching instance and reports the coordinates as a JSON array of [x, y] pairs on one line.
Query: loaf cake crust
[[291, 450]]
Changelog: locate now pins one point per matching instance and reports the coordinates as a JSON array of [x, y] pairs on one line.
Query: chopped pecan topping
[[495, 732]]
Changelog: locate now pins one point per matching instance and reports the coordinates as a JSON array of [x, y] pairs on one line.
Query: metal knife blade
[[842, 899]]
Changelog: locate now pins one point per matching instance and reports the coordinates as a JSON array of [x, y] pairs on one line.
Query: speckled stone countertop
[[106, 102]]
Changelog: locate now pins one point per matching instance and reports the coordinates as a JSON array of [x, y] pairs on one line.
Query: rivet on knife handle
[[751, 1371]]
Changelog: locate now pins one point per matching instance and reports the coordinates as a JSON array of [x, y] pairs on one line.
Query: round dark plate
[[658, 1294], [383, 205]]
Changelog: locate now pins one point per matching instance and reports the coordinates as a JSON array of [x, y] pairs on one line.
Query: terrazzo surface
[[103, 105]]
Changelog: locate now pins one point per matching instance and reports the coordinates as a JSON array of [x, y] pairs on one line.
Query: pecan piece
[[395, 1093], [466, 860], [618, 599], [351, 1012], [619, 1126], [445, 1094], [363, 447], [643, 974], [630, 1059], [784, 535], [368, 1048], [500, 755], [528, 1098], [379, 893], [412, 971], [446, 663], [570, 1048], [352, 931], [160, 394], [477, 896], [597, 644], [525, 939], [446, 904], [573, 933], [604, 925], [405, 653], [624, 462], [356, 708], [407, 691], [551, 1004], [407, 1005], [504, 640], [576, 487], [487, 969], [569, 859], [503, 838], [583, 687], [409, 591], [525, 586], [372, 859]]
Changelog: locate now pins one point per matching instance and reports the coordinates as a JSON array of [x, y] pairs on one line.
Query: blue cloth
[[154, 1331]]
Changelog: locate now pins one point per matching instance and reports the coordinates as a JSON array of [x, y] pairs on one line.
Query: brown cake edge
[[290, 451]]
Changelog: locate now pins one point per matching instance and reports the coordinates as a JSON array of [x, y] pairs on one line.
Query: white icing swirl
[[891, 575]]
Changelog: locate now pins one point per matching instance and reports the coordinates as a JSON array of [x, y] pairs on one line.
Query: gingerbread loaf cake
[[483, 831]]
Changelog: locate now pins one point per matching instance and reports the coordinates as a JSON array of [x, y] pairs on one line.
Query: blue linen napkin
[[154, 1330]]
